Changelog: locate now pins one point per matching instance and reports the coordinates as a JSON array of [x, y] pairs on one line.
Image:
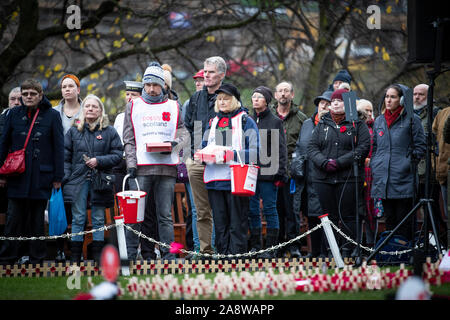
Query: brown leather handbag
[[14, 163]]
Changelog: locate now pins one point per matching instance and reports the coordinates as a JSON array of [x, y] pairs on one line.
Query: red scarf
[[316, 119], [391, 116]]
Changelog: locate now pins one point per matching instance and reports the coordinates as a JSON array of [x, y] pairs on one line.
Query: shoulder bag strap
[[31, 128]]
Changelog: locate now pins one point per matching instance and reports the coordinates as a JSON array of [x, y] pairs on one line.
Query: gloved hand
[[331, 166], [173, 143], [278, 184], [132, 172], [228, 156], [280, 180]]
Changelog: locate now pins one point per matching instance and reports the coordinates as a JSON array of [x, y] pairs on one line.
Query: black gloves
[[132, 173], [173, 143]]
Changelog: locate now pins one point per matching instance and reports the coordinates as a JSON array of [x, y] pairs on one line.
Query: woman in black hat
[[301, 170], [232, 127]]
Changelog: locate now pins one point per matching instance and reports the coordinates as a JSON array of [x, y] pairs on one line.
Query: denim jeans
[[161, 188], [79, 214], [194, 218], [266, 191]]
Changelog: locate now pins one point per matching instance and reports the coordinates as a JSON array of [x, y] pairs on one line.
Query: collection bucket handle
[[125, 179]]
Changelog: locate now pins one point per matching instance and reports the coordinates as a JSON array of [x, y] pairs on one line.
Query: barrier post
[[122, 244], [332, 241]]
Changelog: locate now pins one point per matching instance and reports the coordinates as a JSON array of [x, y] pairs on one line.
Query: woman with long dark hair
[[397, 141]]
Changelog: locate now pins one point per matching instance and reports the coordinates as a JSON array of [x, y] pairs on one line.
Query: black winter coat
[[105, 145], [200, 108], [328, 142], [44, 159], [304, 188], [267, 122]]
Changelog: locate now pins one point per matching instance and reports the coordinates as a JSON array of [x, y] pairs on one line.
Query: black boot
[[76, 249], [255, 241], [97, 247], [271, 240], [294, 252]]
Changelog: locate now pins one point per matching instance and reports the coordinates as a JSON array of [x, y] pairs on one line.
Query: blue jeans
[[79, 214], [161, 188], [194, 218], [266, 191]]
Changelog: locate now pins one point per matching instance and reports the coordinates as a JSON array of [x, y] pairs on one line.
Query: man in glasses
[[29, 191]]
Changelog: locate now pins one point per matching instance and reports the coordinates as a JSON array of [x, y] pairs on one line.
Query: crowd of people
[[354, 170]]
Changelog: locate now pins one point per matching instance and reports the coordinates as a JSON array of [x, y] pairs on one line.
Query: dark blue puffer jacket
[[105, 145]]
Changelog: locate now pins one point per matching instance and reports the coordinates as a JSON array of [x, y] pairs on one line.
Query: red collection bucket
[[243, 179], [131, 203]]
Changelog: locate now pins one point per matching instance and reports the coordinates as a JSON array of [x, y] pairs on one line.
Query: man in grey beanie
[[149, 119]]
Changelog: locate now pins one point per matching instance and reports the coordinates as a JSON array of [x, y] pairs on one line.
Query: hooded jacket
[[104, 144], [44, 157], [391, 156]]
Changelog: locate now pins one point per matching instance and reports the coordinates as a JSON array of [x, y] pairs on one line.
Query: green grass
[[56, 289]]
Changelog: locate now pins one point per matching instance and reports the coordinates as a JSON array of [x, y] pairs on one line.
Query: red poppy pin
[[99, 137], [381, 133], [343, 129], [223, 123], [166, 116]]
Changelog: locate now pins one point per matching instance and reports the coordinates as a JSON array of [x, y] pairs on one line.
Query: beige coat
[[444, 148]]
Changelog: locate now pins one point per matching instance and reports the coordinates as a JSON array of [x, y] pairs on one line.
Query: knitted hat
[[343, 76], [167, 74], [133, 86], [154, 74], [326, 95], [230, 89], [73, 77], [199, 74], [338, 94], [266, 92]]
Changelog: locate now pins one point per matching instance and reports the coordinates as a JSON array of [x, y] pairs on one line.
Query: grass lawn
[[56, 289]]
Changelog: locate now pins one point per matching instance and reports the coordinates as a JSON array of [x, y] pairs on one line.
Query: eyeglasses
[[30, 93], [257, 96], [284, 90]]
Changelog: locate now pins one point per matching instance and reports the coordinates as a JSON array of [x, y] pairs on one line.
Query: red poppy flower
[[343, 129], [381, 133], [99, 137], [223, 123], [166, 116]]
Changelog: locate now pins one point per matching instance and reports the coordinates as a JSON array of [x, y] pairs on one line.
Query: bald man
[[420, 108]]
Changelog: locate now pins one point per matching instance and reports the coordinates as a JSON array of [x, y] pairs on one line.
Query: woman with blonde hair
[[232, 128], [92, 149]]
